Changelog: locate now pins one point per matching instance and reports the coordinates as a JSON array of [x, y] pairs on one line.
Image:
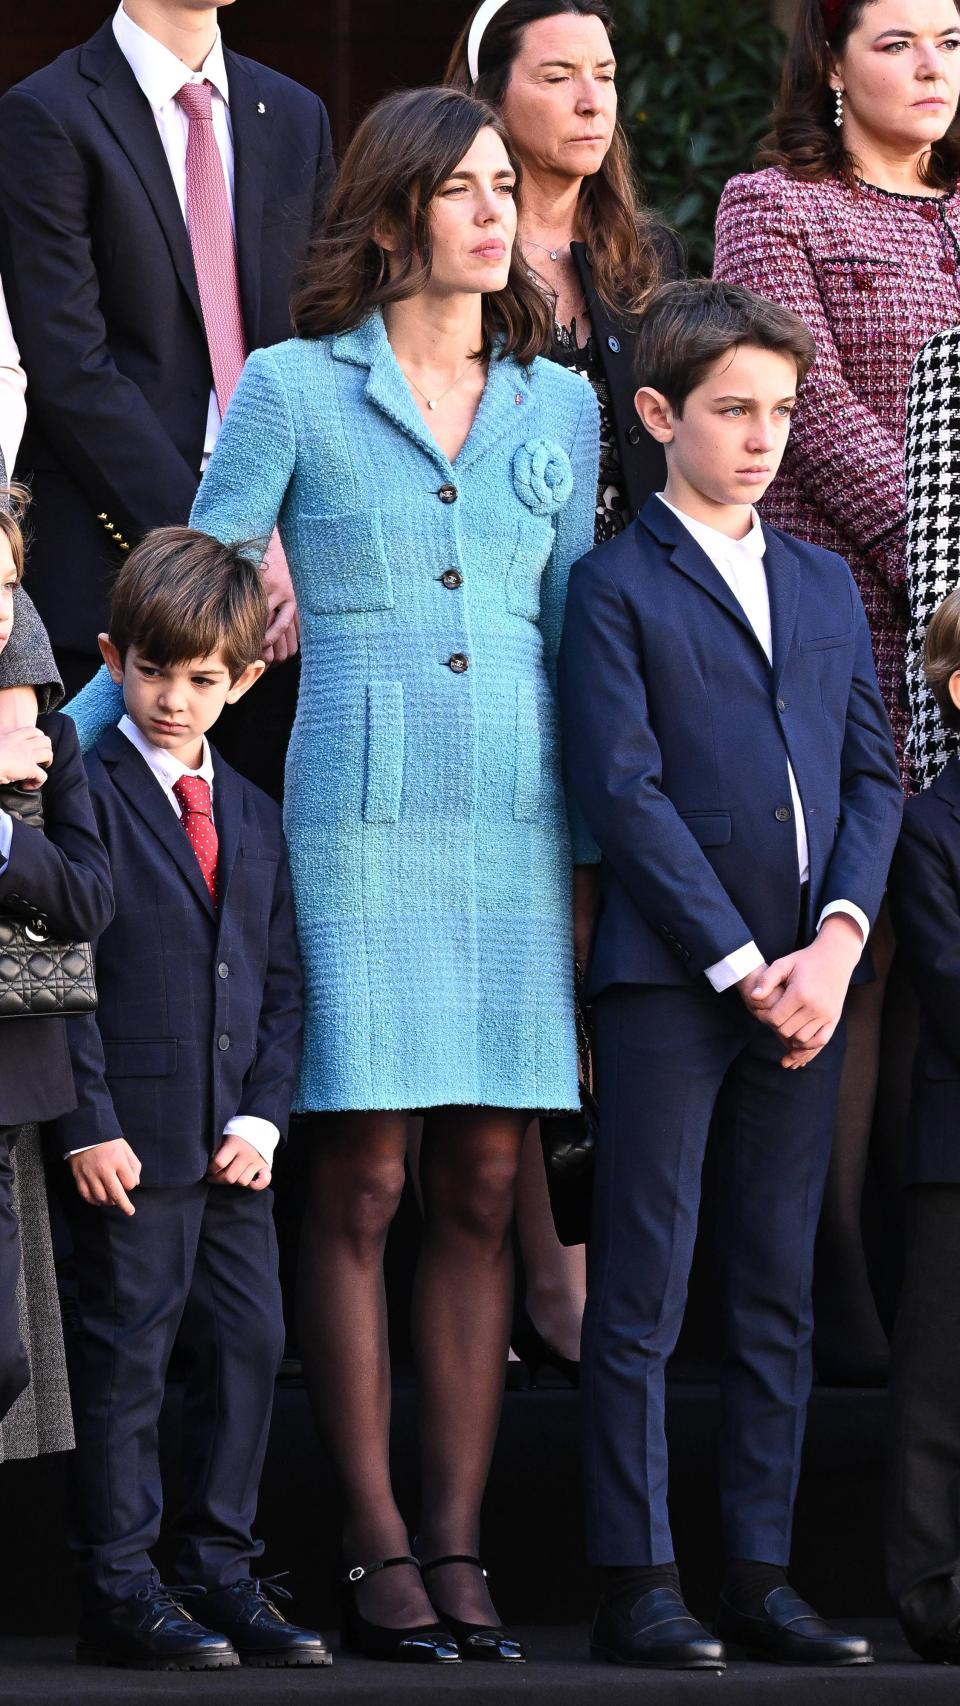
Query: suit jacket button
[[781, 704], [223, 1043], [451, 579], [633, 434], [448, 494], [223, 970], [613, 344], [458, 663], [782, 814]]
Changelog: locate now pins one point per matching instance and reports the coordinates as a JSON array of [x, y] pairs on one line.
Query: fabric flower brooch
[[542, 475]]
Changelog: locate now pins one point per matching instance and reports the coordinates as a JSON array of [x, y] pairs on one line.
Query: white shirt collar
[[159, 72], [165, 767], [717, 544]]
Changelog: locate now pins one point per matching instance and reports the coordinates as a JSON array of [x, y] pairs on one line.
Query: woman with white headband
[[548, 66]]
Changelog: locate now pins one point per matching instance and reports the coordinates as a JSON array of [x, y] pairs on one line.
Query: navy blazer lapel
[[124, 108], [132, 776], [783, 584], [228, 818], [251, 121], [687, 556]]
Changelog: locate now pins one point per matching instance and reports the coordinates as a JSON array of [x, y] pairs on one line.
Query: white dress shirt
[[167, 769], [740, 562], [161, 75], [13, 384]]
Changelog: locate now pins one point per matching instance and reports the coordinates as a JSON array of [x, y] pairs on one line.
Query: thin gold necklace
[[432, 402]]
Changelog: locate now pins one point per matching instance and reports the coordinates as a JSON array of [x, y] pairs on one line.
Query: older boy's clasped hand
[[237, 1162], [105, 1173], [801, 996]]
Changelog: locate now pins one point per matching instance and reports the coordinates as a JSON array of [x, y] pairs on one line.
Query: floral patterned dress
[[613, 510]]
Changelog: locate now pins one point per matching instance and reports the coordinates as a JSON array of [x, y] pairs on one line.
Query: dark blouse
[[613, 509]]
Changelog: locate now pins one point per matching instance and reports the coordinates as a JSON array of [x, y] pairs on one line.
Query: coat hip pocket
[[384, 757]]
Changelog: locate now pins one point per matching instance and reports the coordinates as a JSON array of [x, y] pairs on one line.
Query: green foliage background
[[697, 80]]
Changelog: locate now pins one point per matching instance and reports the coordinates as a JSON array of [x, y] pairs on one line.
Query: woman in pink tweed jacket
[[855, 224]]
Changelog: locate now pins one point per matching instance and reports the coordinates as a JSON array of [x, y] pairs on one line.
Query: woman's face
[[560, 105], [900, 74], [473, 221]]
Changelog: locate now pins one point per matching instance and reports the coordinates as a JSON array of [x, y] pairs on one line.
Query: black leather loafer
[[788, 1631], [655, 1631], [261, 1634], [152, 1631]]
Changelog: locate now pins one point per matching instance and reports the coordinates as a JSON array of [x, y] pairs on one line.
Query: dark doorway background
[[348, 51]]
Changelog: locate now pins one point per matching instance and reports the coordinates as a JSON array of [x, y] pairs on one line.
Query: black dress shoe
[[541, 1359], [152, 1631], [656, 1631], [476, 1640], [788, 1631], [262, 1636], [425, 1643]]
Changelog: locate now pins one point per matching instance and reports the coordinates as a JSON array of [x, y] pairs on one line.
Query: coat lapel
[[144, 793], [690, 560], [251, 121], [783, 585], [228, 817], [125, 110], [947, 785]]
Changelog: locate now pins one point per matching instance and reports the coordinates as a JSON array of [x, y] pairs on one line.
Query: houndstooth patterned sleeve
[[933, 534]]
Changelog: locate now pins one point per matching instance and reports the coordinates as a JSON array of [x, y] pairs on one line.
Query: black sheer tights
[[462, 1302]]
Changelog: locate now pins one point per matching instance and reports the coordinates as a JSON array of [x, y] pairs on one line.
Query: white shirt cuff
[[263, 1134], [6, 840], [739, 964], [847, 906]]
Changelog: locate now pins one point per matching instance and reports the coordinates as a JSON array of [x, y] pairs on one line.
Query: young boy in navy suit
[[730, 750], [923, 1516], [184, 1080]]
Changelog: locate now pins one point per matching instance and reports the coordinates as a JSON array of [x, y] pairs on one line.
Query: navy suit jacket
[[925, 900], [100, 283], [677, 733], [64, 874], [200, 1010]]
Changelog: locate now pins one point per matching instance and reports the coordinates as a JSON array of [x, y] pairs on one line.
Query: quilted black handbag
[[38, 974], [570, 1143]]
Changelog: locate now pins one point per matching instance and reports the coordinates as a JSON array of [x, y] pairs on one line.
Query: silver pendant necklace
[[432, 402], [554, 254]]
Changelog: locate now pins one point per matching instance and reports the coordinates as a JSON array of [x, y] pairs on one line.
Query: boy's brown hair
[[689, 324], [182, 594], [941, 655], [14, 503]]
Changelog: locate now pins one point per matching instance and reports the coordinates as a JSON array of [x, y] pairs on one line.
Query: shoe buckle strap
[[361, 1571]]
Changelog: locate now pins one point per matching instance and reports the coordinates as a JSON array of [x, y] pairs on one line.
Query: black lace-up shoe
[[152, 1631], [261, 1634]]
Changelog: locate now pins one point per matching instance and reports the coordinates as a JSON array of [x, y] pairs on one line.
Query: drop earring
[[838, 121]]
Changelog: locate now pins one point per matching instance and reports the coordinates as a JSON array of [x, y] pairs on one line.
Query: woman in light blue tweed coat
[[430, 504]]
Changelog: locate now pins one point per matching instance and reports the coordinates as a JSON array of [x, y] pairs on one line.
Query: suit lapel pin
[[260, 107]]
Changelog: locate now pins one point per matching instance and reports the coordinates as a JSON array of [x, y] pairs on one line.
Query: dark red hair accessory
[[833, 11]]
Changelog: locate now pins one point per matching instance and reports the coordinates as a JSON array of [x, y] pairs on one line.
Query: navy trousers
[[14, 1367], [199, 1260], [668, 1059]]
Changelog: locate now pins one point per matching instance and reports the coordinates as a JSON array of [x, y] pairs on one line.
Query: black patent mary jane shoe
[[655, 1631], [788, 1631], [261, 1634], [152, 1631], [484, 1641], [425, 1644]]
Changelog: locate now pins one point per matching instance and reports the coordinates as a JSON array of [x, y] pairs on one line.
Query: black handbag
[[570, 1142], [38, 974]]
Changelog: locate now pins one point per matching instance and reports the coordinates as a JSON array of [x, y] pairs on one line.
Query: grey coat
[[41, 1419], [27, 659]]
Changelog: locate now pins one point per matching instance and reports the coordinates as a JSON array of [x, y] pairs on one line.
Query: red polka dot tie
[[192, 795], [213, 244]]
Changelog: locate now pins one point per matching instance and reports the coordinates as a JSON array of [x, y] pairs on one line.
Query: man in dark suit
[[923, 1516], [184, 1080], [728, 745], [124, 300]]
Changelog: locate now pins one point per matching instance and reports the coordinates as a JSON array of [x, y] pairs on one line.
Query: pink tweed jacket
[[874, 275]]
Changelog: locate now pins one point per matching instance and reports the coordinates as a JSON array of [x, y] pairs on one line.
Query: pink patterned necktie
[[213, 244], [193, 796]]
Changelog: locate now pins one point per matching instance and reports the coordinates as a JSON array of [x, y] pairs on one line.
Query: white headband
[[488, 10]]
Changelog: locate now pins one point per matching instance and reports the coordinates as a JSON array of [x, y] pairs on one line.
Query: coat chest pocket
[[383, 769], [852, 286], [531, 553], [342, 563]]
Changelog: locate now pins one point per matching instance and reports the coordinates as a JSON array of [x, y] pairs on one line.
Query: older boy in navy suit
[[923, 1514], [184, 1083], [731, 753]]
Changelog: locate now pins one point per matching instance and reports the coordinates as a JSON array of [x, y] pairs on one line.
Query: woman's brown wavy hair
[[612, 219], [805, 140], [401, 155]]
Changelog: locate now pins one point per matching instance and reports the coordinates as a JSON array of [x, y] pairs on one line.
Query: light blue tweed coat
[[424, 807]]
